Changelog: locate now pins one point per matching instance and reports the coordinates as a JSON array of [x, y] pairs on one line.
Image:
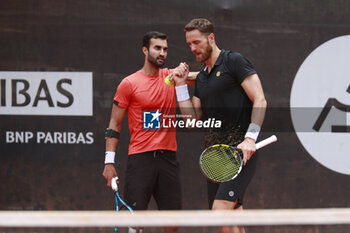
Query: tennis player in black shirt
[[227, 89]]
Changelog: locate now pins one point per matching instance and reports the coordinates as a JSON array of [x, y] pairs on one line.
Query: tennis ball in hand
[[169, 82]]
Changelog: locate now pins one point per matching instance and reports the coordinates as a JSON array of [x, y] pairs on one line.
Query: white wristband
[[109, 157], [253, 131], [182, 93]]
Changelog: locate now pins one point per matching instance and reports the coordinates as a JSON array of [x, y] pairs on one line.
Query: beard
[[207, 53], [155, 61]]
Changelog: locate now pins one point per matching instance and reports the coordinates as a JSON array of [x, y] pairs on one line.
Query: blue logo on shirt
[[151, 120]]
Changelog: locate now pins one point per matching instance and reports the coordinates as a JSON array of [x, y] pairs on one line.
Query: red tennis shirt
[[143, 96]]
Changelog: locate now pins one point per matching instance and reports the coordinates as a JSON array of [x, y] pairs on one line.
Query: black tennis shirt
[[223, 98]]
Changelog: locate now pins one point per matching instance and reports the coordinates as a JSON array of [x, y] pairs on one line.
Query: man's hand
[[248, 148], [108, 173], [180, 74]]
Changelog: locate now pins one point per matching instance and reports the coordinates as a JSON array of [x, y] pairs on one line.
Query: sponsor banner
[[46, 93], [44, 137], [322, 82]]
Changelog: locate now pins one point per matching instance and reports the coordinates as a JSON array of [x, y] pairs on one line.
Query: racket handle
[[114, 184], [266, 142]]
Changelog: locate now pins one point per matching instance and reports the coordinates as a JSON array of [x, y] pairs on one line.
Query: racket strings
[[221, 163]]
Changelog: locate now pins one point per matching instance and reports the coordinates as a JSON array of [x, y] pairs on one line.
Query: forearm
[[109, 169], [111, 146], [112, 142], [191, 78], [182, 77], [258, 111], [257, 118], [113, 131], [187, 110], [112, 139]]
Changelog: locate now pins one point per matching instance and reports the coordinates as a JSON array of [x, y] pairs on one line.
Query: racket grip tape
[[114, 183], [266, 142]]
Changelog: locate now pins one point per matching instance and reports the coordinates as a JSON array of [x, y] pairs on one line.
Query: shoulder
[[237, 61], [132, 77], [233, 56], [133, 80], [128, 83]]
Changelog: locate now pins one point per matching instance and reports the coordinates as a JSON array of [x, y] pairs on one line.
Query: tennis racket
[[221, 163], [119, 199]]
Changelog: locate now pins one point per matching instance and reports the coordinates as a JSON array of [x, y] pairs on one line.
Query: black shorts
[[234, 189], [154, 173]]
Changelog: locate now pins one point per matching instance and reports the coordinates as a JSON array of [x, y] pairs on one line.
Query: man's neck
[[150, 69], [213, 57]]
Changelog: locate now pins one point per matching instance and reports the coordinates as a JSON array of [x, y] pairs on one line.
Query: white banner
[[46, 93]]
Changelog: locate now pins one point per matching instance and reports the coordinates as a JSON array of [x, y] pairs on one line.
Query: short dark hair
[[201, 24], [152, 35]]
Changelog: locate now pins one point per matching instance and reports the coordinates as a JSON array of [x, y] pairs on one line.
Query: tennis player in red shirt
[[152, 167]]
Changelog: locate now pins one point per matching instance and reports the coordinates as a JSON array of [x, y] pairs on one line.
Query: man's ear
[[144, 50], [211, 38]]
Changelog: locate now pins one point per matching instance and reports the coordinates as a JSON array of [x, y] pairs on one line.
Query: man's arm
[[253, 88], [115, 124], [190, 109], [191, 78], [197, 106]]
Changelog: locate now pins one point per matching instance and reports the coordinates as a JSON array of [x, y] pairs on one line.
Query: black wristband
[[110, 133]]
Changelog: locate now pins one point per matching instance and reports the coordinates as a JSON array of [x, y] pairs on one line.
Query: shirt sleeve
[[123, 94], [240, 66]]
